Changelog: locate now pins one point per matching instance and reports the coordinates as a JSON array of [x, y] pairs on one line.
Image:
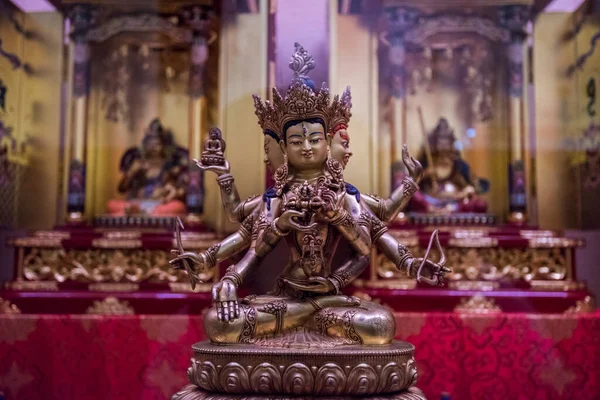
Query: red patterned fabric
[[504, 356]]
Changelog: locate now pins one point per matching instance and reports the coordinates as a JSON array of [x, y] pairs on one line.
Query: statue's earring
[[281, 176], [334, 167]]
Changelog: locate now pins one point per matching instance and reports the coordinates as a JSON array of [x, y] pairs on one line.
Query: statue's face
[[444, 144], [273, 154], [443, 124], [306, 147], [340, 147], [154, 147]]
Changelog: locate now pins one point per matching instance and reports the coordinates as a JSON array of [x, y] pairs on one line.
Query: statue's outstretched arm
[[235, 209], [231, 245], [237, 273], [400, 255], [348, 272], [397, 253], [224, 292], [229, 195], [387, 210]]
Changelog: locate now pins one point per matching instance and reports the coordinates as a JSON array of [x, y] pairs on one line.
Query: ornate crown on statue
[[301, 102]]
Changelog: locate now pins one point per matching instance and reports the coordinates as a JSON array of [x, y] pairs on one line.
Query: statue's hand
[[333, 204], [198, 260], [432, 273], [415, 169], [315, 284], [135, 168], [288, 220], [217, 169], [224, 294], [170, 195]]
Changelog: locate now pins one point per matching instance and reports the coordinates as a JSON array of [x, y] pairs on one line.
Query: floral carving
[[298, 379], [362, 380], [324, 319], [249, 324], [226, 183], [492, 264], [409, 187], [6, 307], [234, 379], [477, 304], [265, 378], [110, 306], [203, 374], [587, 305], [331, 380], [349, 330], [103, 266], [394, 377], [248, 373]]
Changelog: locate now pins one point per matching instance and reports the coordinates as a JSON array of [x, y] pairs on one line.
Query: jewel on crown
[[301, 102]]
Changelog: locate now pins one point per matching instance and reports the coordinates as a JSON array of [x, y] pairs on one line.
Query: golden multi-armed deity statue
[[305, 336]]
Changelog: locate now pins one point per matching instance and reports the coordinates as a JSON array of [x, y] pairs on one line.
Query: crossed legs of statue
[[344, 319]]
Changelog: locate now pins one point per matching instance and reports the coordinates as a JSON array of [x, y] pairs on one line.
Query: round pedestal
[[379, 371], [193, 392]]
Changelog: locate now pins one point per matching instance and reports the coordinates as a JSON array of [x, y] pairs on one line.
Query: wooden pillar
[[242, 72], [353, 62], [81, 19], [399, 20], [515, 19], [200, 19]]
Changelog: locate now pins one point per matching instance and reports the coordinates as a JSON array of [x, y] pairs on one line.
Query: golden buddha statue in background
[[312, 209], [154, 176], [448, 184]]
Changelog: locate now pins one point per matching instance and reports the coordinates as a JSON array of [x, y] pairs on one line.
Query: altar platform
[[518, 268], [468, 356], [70, 271]]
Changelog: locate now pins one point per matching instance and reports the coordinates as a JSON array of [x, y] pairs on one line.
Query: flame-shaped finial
[[301, 63]]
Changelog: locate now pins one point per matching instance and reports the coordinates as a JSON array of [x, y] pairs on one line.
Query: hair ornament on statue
[[302, 63], [339, 112], [300, 103]]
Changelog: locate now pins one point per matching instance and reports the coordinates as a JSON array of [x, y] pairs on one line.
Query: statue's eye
[[345, 144], [296, 142], [315, 141]]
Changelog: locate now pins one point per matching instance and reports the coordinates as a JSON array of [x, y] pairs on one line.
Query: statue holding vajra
[[312, 209]]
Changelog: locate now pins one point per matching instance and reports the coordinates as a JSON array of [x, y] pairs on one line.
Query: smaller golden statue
[[448, 184], [154, 176], [214, 148]]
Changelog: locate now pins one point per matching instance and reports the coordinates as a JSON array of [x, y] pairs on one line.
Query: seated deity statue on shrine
[[448, 185], [154, 176], [313, 210]]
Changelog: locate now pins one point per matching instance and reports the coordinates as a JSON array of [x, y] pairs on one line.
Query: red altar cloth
[[503, 356]]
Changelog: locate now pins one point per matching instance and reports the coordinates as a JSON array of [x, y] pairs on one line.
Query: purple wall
[[305, 22]]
